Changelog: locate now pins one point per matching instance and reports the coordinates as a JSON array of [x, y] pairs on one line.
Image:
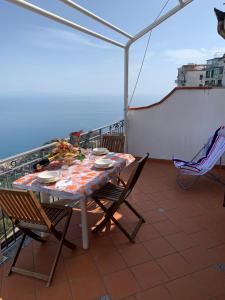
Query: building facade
[[210, 74]]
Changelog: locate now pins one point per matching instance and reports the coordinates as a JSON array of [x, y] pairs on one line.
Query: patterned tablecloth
[[78, 181]]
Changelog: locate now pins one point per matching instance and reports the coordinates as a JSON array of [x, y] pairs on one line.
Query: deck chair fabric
[[117, 195], [30, 217], [214, 151]]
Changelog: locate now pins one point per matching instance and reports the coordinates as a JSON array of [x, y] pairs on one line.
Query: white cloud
[[62, 39], [184, 56]]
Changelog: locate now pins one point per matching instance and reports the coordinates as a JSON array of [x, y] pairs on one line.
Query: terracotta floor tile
[[192, 211], [119, 239], [167, 204], [156, 215], [134, 254], [211, 280], [57, 291], [206, 239], [181, 241], [26, 259], [80, 266], [101, 244], [198, 257], [156, 293], [87, 288], [159, 247], [218, 254], [149, 274], [186, 288], [130, 298], [109, 262], [17, 287], [147, 232], [174, 265], [121, 284], [166, 227], [221, 297], [179, 251], [188, 225]]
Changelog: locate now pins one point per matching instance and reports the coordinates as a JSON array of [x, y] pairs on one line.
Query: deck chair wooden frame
[[118, 194], [113, 142], [26, 213]]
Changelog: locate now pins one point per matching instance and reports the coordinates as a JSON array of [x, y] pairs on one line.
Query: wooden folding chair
[[29, 215], [118, 194], [113, 142]]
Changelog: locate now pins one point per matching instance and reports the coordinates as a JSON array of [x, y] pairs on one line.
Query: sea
[[29, 122]]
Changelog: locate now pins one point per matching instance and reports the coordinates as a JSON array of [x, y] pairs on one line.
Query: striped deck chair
[[211, 154]]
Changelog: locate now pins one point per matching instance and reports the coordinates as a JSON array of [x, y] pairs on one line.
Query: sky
[[41, 57]]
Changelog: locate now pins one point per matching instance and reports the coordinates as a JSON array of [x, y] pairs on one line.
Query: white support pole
[[63, 21], [95, 17], [126, 94], [159, 21]]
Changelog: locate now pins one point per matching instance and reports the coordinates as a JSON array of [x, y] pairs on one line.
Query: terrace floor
[[179, 251]]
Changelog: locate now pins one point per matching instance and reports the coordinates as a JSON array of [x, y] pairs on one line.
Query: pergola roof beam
[[63, 21], [95, 17], [170, 13]]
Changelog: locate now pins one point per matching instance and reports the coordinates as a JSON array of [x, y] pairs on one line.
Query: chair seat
[[110, 192], [55, 213]]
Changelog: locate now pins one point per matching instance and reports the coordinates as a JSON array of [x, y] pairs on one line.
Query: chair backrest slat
[[114, 143], [136, 172], [23, 206]]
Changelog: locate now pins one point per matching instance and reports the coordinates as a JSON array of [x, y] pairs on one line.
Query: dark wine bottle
[[42, 163]]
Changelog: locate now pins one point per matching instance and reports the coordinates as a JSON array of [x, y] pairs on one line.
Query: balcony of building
[[179, 251], [178, 254]]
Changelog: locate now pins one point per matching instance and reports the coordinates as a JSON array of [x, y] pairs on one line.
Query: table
[[78, 182]]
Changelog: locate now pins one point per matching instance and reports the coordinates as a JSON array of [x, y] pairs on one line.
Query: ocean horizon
[[29, 122]]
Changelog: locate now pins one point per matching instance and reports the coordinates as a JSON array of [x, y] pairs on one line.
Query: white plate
[[100, 151], [103, 162], [48, 176], [104, 167]]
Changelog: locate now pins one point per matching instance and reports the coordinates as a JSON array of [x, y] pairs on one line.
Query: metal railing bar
[[14, 157], [20, 166], [4, 228], [95, 17], [102, 127], [49, 15]]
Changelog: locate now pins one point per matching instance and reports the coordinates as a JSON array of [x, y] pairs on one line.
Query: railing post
[[126, 94]]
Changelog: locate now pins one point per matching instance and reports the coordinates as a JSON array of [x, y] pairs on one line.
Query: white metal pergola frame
[[131, 39]]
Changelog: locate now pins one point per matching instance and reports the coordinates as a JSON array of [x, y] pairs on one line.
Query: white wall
[[179, 126], [192, 78]]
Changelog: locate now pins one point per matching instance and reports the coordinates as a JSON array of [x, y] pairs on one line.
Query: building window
[[207, 74], [221, 71], [212, 73], [212, 82], [201, 77], [207, 83], [219, 83]]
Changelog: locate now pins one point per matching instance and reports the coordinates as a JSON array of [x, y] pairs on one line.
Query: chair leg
[[134, 210], [117, 223], [62, 241], [17, 254], [58, 235], [109, 216], [106, 219], [33, 235]]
